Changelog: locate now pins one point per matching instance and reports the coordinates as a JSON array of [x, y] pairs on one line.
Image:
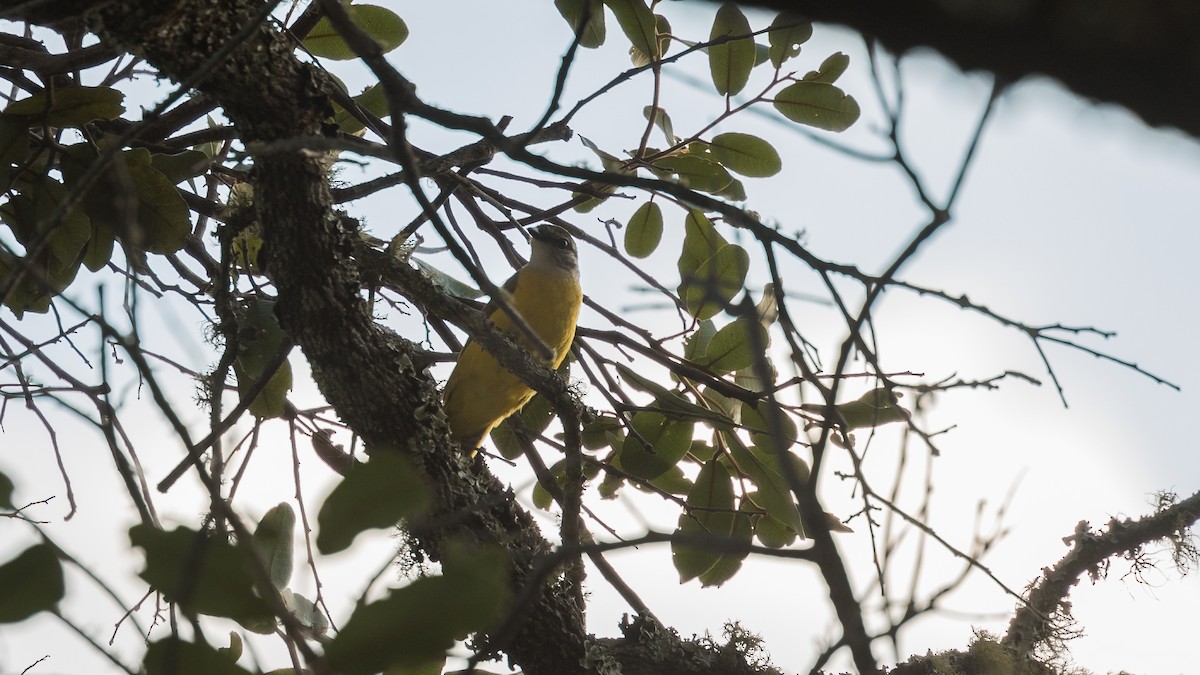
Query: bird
[[878, 406], [481, 393]]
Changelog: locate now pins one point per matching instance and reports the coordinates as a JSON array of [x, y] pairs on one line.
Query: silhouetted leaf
[[419, 622], [30, 583], [710, 514], [202, 573], [172, 656], [376, 494]]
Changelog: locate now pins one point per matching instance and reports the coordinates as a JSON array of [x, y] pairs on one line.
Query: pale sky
[[1072, 213]]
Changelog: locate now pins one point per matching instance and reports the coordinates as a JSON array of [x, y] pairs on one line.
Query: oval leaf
[[819, 105], [382, 24], [669, 441], [71, 106], [746, 154], [644, 231], [639, 25], [586, 18], [376, 494], [709, 289], [730, 62], [30, 583], [710, 514], [788, 32]]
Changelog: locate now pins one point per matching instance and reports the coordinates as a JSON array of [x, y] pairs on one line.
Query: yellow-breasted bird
[[481, 393]]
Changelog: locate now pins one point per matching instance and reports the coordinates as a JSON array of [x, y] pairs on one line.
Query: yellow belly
[[481, 393]]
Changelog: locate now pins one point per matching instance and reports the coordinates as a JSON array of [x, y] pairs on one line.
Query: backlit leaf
[[817, 104], [709, 289], [788, 32], [644, 231], [746, 154], [638, 24], [730, 62], [592, 33], [380, 23], [70, 106]]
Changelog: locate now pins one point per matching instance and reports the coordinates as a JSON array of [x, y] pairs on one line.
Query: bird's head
[[553, 246]]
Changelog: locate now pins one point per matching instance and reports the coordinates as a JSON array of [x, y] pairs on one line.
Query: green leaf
[[70, 106], [772, 533], [172, 656], [746, 154], [14, 147], [662, 28], [730, 62], [709, 289], [601, 432], [274, 539], [234, 651], [817, 104], [732, 348], [774, 495], [788, 32], [591, 34], [701, 241], [696, 344], [433, 666], [642, 383], [376, 494], [611, 164], [697, 173], [673, 481], [710, 514], [199, 571], [830, 69], [644, 231], [181, 165], [260, 342], [669, 441], [30, 583], [541, 495], [731, 561], [760, 435], [536, 415], [373, 100], [380, 23], [6, 492], [27, 211], [306, 612], [448, 283], [638, 24], [663, 121], [163, 220], [418, 623]]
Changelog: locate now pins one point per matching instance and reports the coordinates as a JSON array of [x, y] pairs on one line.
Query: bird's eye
[[563, 244]]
